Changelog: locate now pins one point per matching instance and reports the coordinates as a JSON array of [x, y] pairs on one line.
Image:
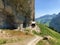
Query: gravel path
[[22, 42], [35, 40], [32, 41]]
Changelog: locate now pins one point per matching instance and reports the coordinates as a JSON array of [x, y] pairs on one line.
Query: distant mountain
[[45, 19], [55, 23]]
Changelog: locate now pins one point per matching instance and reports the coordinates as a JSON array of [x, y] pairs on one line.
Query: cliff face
[[13, 13], [1, 4]]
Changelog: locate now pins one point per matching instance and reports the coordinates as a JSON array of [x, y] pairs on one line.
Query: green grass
[[45, 31], [50, 42], [43, 42], [2, 41]]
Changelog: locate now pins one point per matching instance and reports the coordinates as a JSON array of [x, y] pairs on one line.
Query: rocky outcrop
[[1, 4], [11, 18]]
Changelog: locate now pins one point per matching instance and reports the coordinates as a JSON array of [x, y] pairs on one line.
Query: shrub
[[2, 41], [27, 31], [35, 32]]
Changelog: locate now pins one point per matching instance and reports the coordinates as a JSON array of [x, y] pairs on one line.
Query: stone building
[[11, 19]]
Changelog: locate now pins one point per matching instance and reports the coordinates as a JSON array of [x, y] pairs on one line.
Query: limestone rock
[[14, 18], [1, 5]]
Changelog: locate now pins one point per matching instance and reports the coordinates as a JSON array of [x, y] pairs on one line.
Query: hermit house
[[16, 13]]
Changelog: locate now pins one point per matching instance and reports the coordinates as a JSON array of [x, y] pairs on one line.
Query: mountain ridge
[[45, 19], [52, 21]]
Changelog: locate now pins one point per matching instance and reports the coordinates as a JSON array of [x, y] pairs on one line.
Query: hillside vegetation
[[52, 21], [54, 36]]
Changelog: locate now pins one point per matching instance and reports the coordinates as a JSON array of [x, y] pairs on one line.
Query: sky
[[43, 7]]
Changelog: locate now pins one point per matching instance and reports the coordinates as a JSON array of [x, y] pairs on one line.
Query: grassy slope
[[46, 31]]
